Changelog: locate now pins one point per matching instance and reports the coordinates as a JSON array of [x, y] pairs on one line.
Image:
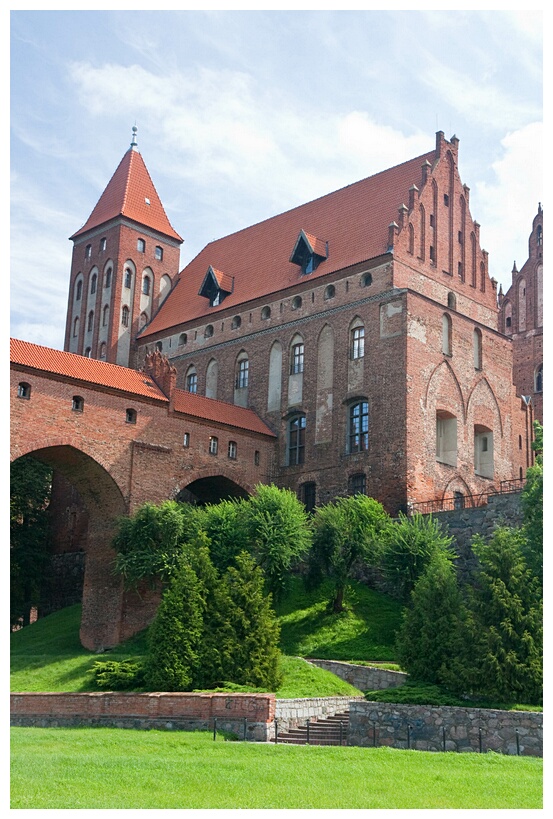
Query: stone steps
[[332, 730]]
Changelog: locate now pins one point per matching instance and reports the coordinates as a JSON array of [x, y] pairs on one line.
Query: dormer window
[[216, 286], [309, 252]]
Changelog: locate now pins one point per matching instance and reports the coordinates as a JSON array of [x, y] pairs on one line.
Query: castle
[[362, 328]]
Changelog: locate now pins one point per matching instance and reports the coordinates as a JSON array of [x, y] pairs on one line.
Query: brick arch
[[484, 384], [451, 374], [216, 472], [456, 484]]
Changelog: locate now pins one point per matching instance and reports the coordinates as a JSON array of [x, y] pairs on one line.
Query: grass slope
[[103, 768]]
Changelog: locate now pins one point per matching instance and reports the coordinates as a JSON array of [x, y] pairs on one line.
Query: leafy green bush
[[114, 675]]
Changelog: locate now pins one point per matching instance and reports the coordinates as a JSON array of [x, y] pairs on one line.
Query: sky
[[244, 114]]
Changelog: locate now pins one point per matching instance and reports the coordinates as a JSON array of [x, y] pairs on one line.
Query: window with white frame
[[232, 450], [213, 445], [296, 440], [358, 433]]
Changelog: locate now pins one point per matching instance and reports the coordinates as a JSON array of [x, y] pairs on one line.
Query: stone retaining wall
[[235, 713], [293, 712], [439, 728], [363, 677]]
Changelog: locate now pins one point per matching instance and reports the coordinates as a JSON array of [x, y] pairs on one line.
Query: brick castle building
[[362, 328]]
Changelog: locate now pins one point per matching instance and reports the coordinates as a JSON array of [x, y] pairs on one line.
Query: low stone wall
[[439, 728], [293, 712], [363, 677], [236, 713]]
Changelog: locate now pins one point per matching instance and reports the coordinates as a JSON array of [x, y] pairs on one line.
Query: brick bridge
[[118, 438]]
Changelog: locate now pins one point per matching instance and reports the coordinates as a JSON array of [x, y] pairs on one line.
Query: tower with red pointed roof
[[125, 262]]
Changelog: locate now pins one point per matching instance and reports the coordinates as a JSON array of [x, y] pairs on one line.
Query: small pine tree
[[175, 636], [430, 637], [249, 642], [504, 654]]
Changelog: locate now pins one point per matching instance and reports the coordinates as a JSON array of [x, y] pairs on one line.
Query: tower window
[[242, 375], [183, 338], [90, 323], [79, 292], [128, 277], [159, 253], [77, 404], [236, 322], [192, 380], [266, 313], [296, 303], [130, 416], [108, 278], [539, 379], [141, 245], [93, 282], [125, 316], [146, 285], [366, 280], [330, 292], [88, 251], [297, 359], [103, 245], [208, 332], [358, 342], [24, 390]]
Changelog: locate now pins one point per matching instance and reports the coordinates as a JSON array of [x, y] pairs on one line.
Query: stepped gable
[[354, 221], [130, 193], [83, 369]]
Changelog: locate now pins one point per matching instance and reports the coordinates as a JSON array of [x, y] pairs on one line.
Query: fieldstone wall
[[293, 712], [433, 728], [363, 677], [249, 716]]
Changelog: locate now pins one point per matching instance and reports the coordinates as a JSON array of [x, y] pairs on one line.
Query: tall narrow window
[[357, 484], [446, 438], [192, 380], [125, 316], [446, 334], [76, 327], [358, 427], [538, 379], [358, 342], [477, 348], [90, 323], [159, 253], [77, 404], [232, 450], [105, 315], [296, 440], [242, 374], [128, 277], [107, 283], [296, 364], [103, 245], [483, 451], [146, 285], [141, 245], [130, 416], [88, 251], [93, 283], [79, 293], [213, 445], [308, 495]]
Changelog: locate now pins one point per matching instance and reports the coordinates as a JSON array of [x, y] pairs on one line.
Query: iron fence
[[459, 501]]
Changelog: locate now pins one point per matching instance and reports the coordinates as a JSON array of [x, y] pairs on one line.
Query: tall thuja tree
[[250, 635], [278, 531], [430, 639], [30, 488], [532, 508], [344, 533], [150, 542], [226, 527], [505, 635], [408, 546]]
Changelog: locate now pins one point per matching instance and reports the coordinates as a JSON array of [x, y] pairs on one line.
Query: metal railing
[[459, 501]]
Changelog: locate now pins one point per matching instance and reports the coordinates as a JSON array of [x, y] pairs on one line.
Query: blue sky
[[244, 114]]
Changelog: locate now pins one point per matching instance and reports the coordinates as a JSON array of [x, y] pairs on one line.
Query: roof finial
[[134, 144]]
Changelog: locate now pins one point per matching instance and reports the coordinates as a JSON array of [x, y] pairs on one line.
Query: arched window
[[357, 340], [296, 440], [125, 316], [79, 292], [146, 285], [103, 351], [159, 346], [266, 313], [483, 451], [93, 283], [183, 338], [366, 280], [208, 332], [242, 371], [508, 313], [538, 379], [142, 320], [24, 390], [88, 352], [77, 404], [411, 239], [482, 278], [451, 301], [446, 438], [107, 283], [296, 303], [236, 322], [128, 277], [191, 381], [90, 323], [446, 334], [358, 431], [297, 358], [76, 327], [130, 416], [477, 348], [330, 292], [105, 315]]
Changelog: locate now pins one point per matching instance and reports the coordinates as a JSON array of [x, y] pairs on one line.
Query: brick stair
[[321, 732]]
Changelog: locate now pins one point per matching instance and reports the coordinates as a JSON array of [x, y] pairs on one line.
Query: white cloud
[[507, 205]]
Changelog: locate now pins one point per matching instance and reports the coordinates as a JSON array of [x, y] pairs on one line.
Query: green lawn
[[102, 768]]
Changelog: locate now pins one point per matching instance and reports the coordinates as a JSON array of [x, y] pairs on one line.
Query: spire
[[131, 193]]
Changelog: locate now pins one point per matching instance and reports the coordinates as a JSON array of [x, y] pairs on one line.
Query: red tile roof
[[111, 376], [354, 220], [130, 193], [80, 368], [219, 411]]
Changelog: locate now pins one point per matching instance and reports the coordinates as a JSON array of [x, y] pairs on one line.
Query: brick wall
[[165, 711]]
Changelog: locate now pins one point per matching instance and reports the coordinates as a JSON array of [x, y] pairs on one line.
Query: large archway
[[210, 490], [102, 502]]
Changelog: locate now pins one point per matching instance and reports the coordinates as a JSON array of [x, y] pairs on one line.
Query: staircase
[[318, 732]]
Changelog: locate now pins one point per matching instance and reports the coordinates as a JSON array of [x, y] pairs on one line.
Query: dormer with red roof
[[125, 262]]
